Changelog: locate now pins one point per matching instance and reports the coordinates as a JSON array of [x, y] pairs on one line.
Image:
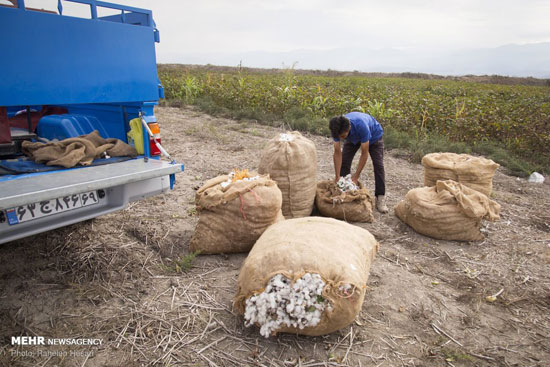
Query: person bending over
[[359, 131]]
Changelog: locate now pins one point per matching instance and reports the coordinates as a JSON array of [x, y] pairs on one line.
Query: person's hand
[[337, 179], [355, 179]]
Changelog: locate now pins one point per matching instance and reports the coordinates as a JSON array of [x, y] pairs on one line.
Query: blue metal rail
[[95, 4], [60, 60]]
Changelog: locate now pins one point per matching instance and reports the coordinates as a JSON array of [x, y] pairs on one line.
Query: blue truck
[[65, 76]]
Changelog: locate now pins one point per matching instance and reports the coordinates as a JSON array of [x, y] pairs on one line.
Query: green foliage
[[516, 166], [181, 265], [378, 110], [419, 146], [191, 89], [424, 114]]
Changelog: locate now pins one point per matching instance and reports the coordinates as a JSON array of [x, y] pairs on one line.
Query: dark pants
[[376, 152]]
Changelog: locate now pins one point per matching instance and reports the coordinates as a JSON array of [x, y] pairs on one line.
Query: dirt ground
[[113, 278]]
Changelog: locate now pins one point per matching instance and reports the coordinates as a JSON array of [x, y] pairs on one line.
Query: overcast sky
[[239, 26], [285, 25]]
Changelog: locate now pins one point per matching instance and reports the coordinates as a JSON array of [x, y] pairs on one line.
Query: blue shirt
[[364, 128]]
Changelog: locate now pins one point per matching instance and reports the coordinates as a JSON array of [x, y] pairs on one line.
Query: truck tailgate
[[45, 186]]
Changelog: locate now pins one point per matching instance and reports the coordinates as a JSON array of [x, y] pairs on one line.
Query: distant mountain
[[512, 60], [508, 60]]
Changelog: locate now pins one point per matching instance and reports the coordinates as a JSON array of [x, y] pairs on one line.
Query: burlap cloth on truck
[[293, 165], [351, 206], [475, 172], [76, 151], [231, 219], [447, 211], [340, 252]]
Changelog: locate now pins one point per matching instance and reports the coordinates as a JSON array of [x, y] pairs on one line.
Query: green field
[[508, 123]]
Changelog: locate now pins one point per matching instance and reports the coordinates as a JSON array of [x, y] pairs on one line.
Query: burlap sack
[[351, 206], [293, 165], [447, 211], [231, 219], [475, 172], [340, 252], [76, 151]]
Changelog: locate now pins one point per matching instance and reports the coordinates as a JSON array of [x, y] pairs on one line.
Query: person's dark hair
[[338, 125]]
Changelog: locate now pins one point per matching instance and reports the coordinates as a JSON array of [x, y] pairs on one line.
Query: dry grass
[[426, 302]]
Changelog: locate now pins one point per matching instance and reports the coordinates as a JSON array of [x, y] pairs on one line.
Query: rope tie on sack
[[242, 206], [258, 199], [348, 294], [339, 201]]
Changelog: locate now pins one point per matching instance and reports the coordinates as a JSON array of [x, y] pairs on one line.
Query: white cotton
[[286, 137], [249, 178], [297, 305], [232, 176], [346, 184]]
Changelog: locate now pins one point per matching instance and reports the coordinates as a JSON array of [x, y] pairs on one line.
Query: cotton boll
[[286, 137], [231, 176], [282, 303], [249, 178], [224, 184], [346, 184]]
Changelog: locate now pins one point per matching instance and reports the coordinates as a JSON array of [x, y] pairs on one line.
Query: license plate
[[25, 213]]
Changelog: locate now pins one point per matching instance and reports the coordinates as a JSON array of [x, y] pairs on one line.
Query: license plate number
[[25, 213]]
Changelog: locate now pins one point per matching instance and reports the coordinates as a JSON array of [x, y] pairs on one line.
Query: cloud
[[191, 28]]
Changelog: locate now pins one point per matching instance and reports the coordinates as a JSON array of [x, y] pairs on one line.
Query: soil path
[[114, 278]]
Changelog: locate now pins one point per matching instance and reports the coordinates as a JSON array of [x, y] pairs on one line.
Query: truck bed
[[98, 73], [34, 203]]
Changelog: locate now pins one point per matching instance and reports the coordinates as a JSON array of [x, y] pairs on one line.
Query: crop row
[[516, 117]]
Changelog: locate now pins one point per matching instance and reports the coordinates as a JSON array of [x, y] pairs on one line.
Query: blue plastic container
[[69, 126]]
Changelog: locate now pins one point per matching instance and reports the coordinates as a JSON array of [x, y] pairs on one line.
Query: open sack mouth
[[286, 304]]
